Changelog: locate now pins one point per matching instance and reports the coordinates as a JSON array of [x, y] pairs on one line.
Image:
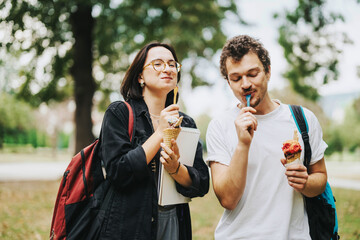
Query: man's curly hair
[[237, 47]]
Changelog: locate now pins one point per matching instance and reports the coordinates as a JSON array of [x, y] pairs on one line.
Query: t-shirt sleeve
[[318, 145], [217, 147]]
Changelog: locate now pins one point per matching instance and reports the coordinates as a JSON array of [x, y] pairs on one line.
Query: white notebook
[[187, 142]]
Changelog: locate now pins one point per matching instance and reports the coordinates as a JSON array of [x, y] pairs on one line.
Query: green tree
[[311, 47], [345, 135], [333, 137], [91, 43], [16, 117], [350, 128]]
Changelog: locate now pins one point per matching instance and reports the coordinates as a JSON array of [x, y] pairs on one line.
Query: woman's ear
[[141, 81]]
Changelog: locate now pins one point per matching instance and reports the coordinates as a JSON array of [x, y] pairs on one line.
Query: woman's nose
[[166, 68]]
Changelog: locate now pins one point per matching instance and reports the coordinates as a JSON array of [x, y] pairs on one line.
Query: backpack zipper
[[52, 234], [65, 176]]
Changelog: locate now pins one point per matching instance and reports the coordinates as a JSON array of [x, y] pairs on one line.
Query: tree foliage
[[119, 29], [90, 44], [16, 116], [346, 135], [311, 45], [350, 129]]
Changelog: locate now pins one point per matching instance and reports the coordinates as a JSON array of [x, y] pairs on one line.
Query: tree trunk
[[82, 26]]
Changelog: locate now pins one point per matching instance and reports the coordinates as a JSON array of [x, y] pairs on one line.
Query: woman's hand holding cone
[[170, 156]]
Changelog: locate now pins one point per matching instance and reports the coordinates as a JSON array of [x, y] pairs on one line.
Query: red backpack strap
[[130, 131], [131, 120]]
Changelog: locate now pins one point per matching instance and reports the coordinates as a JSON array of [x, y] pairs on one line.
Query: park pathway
[[341, 174]]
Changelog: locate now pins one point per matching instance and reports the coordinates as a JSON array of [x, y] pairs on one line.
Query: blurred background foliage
[[20, 130], [91, 43], [312, 46], [79, 51], [16, 120], [340, 136]]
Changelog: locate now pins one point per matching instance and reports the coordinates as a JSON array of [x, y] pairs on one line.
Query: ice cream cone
[[292, 150], [293, 157], [170, 133], [173, 131]]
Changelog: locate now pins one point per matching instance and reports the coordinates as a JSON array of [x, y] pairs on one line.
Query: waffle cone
[[170, 133], [293, 157]]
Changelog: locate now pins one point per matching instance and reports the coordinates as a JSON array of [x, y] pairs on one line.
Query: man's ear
[[268, 75]]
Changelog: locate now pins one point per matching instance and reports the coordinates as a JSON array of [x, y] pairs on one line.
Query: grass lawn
[[26, 211]]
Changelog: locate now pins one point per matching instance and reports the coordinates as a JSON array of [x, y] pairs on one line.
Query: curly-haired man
[[262, 199]]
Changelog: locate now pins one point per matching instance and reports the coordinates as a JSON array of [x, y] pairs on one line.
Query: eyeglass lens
[[160, 65]]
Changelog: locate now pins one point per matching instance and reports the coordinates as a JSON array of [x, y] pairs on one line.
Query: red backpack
[[83, 193]]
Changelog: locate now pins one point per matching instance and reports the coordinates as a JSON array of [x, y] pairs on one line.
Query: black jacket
[[133, 208]]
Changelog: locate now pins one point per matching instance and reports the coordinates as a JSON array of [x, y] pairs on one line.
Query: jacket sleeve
[[199, 172], [124, 164]]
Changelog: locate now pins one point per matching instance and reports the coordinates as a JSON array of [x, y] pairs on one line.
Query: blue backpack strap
[[301, 123]]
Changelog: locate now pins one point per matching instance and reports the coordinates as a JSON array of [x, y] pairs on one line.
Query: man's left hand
[[297, 176]]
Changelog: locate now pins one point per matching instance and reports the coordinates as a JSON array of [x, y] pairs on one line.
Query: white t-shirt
[[269, 207]]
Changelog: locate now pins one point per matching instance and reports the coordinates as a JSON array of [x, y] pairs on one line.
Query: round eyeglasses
[[159, 65]]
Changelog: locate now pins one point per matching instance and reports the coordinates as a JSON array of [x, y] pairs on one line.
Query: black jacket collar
[[139, 106]]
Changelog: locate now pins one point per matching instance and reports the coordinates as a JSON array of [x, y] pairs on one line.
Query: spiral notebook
[[187, 142]]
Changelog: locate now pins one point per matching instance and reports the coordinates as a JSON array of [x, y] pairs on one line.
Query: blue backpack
[[321, 209]]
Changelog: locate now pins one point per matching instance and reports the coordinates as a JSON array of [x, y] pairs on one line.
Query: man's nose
[[245, 83]]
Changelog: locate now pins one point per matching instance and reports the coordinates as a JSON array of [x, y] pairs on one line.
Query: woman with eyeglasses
[[132, 167]]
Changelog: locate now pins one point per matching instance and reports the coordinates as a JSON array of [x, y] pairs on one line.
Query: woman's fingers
[[174, 152], [172, 107], [163, 161], [175, 148], [172, 110], [167, 113], [165, 155], [170, 157], [166, 148]]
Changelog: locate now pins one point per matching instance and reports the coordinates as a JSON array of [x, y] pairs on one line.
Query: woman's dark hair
[[239, 46], [130, 87]]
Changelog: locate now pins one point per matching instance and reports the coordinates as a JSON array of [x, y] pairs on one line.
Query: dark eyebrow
[[163, 60], [254, 69], [234, 75]]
